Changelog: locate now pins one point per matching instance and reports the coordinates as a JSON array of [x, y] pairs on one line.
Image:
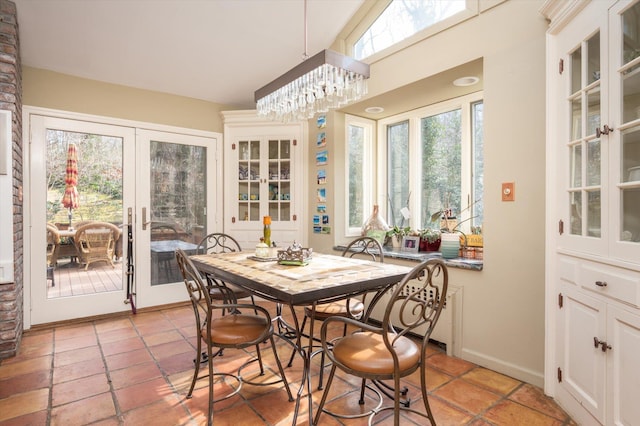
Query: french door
[[161, 183], [175, 209]]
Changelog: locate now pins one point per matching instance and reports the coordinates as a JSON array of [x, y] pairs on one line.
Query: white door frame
[[34, 225]]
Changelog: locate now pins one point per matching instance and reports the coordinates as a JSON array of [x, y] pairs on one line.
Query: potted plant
[[396, 233], [429, 239]]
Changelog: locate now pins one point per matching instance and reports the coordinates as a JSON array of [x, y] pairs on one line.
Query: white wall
[[503, 313]]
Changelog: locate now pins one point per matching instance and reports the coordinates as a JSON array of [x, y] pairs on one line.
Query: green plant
[[429, 234], [399, 231]]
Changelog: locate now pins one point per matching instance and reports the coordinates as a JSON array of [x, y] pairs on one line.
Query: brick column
[[11, 294]]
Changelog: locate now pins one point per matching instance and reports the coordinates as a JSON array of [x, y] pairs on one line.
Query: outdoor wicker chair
[[96, 241]]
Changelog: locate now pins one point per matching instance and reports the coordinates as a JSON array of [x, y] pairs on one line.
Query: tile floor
[[136, 369]]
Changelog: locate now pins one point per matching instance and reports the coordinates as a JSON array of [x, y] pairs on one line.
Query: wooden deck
[[72, 280]]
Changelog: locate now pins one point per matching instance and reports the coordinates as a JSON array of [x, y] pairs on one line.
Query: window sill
[[458, 262]]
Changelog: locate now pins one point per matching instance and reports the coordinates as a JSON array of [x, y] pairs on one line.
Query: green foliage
[[430, 234], [400, 232]]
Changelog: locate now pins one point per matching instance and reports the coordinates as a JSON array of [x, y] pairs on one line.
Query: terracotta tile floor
[[136, 370]]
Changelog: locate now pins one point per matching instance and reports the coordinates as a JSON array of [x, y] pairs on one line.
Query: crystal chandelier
[[326, 80]]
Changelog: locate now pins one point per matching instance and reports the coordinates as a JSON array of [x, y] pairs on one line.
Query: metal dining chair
[[218, 242], [387, 352], [236, 329], [363, 247]]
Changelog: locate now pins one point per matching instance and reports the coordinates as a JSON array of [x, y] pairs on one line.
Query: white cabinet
[[593, 221], [264, 163]]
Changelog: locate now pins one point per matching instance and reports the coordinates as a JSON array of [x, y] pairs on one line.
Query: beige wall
[[48, 89], [503, 306]]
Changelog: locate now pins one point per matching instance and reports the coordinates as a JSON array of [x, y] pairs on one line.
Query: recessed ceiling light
[[466, 81], [374, 110]]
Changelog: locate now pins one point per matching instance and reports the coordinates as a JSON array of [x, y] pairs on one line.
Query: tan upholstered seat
[[386, 352], [237, 329], [366, 352]]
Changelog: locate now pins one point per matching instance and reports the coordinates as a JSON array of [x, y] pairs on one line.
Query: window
[[434, 161], [359, 167], [402, 19]]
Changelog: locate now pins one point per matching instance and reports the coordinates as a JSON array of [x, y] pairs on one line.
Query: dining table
[[323, 278]]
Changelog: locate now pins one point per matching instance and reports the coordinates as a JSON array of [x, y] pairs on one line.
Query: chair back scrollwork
[[218, 242], [364, 247]]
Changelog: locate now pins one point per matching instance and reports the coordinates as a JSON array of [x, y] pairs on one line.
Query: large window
[[400, 21], [359, 170], [434, 162]]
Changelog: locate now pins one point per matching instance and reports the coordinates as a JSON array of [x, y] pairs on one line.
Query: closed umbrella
[[70, 197]]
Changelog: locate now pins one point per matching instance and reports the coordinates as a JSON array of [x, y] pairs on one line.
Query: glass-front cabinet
[[263, 177], [593, 223], [255, 169], [599, 138], [625, 102]]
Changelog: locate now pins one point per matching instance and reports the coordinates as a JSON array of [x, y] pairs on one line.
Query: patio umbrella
[[70, 197]]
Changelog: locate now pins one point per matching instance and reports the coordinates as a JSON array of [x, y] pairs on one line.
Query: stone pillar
[[11, 294]]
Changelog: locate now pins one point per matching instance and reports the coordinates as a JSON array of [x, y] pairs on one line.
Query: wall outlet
[[508, 191]]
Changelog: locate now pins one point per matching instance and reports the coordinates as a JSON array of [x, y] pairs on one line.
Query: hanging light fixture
[[323, 81]]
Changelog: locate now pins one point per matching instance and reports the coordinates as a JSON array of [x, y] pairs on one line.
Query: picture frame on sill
[[410, 244]]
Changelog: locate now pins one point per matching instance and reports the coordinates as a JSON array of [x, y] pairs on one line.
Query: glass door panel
[[81, 176], [176, 208], [629, 145], [178, 205], [584, 144], [84, 186]]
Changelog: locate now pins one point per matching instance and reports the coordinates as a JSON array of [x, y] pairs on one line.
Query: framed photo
[[410, 244]]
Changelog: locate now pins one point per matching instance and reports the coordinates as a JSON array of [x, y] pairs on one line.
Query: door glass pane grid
[[631, 33], [576, 166], [279, 184], [593, 112], [593, 162], [576, 70], [576, 118], [99, 189], [631, 155], [630, 230], [178, 205], [631, 93], [593, 60], [593, 213], [248, 180], [576, 212], [585, 170]]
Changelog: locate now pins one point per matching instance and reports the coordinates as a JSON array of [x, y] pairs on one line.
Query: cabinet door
[[624, 24], [581, 320], [623, 372], [582, 157], [264, 177]]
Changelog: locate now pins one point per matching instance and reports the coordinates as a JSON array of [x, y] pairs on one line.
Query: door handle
[[144, 219]]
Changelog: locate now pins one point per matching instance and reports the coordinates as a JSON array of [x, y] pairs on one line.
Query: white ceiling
[[216, 50]]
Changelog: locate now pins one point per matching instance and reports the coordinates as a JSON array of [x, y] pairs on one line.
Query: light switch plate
[[508, 191]]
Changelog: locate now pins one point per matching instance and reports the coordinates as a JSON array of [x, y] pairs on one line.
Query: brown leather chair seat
[[237, 329], [366, 352]]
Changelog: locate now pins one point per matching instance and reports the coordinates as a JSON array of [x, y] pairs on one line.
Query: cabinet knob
[[601, 283]]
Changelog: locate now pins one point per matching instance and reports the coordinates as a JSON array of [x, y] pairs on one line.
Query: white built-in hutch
[[592, 363], [264, 176]]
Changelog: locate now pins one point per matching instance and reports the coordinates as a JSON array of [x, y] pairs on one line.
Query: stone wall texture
[[12, 294]]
